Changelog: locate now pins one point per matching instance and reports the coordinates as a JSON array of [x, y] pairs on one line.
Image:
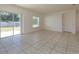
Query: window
[[35, 21]]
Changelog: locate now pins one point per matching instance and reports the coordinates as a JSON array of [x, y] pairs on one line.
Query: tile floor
[[41, 42]]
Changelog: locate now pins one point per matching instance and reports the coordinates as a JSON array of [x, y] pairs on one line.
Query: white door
[[67, 22]]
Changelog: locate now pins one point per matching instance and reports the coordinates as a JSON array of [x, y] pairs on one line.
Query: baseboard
[[32, 32]]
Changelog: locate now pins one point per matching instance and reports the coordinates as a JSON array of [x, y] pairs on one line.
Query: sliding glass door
[[6, 24], [17, 24], [9, 24]]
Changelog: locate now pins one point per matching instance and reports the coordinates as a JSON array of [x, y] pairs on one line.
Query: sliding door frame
[[0, 25]]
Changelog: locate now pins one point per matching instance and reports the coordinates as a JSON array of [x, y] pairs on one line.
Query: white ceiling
[[47, 8]]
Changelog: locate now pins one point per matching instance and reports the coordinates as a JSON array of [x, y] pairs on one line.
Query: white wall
[[54, 21], [26, 17]]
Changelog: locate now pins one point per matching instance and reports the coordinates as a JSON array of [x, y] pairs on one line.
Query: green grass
[[5, 29]]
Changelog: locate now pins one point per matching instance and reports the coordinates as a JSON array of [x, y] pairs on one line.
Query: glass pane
[[17, 22], [35, 21], [6, 24]]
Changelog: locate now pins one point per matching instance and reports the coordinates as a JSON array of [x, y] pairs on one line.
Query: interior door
[[67, 22]]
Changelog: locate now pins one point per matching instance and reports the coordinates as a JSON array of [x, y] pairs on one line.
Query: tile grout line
[[55, 45]]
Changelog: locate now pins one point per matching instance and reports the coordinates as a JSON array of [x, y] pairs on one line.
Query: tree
[[16, 17], [9, 17], [6, 17]]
